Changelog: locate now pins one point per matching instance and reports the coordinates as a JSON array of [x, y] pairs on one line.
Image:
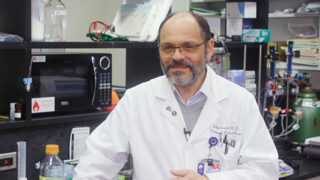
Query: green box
[[255, 35]]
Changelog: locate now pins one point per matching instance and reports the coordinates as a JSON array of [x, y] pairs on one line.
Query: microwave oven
[[70, 83]]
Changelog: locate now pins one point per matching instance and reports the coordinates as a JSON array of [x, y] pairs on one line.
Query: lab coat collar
[[213, 88], [216, 91], [169, 105]]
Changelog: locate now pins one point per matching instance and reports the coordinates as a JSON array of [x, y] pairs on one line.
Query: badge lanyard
[[209, 165]]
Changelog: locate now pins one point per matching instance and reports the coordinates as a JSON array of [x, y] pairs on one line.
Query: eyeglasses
[[185, 48]]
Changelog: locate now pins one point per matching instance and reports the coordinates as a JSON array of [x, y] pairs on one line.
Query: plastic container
[[37, 13], [55, 21], [12, 110], [303, 30], [68, 171], [51, 167]]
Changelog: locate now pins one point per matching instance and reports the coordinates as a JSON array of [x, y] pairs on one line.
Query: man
[[189, 124]]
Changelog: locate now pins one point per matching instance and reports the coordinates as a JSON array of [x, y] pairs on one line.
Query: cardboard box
[[255, 35]]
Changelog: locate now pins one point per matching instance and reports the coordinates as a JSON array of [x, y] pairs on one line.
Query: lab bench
[[308, 168], [303, 166]]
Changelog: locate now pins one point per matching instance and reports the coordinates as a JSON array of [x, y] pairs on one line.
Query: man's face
[[184, 65]]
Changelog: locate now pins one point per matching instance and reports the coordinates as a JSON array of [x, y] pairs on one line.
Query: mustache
[[178, 63]]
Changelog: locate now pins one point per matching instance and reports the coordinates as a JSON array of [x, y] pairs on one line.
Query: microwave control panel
[[103, 81]]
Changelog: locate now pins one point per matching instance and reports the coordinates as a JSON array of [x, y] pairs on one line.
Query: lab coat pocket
[[227, 151]]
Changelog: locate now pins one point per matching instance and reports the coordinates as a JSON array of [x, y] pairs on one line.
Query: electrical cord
[[93, 29]]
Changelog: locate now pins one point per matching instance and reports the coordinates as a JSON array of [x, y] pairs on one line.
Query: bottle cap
[[52, 148]]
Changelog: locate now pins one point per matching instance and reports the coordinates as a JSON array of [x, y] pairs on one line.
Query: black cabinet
[[15, 18]]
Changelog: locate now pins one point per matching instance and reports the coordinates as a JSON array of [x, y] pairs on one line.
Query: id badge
[[210, 164]]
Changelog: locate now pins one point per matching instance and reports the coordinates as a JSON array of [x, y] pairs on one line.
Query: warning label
[[41, 105], [38, 59]]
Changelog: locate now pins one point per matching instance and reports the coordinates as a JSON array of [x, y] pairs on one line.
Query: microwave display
[[54, 82]]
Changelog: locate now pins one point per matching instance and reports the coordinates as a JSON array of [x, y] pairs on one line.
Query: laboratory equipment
[[290, 53], [312, 149], [22, 156], [284, 169], [308, 102], [275, 110], [55, 21], [78, 137], [51, 166]]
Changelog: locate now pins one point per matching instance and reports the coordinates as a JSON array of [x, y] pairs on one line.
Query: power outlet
[[8, 161]]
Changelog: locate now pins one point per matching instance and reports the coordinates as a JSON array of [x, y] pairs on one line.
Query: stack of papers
[[139, 20], [309, 51]]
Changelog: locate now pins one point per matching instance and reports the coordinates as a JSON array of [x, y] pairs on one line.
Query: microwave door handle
[[95, 79]]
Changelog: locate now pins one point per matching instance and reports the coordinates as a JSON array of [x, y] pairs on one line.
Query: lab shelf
[[194, 1], [12, 124], [51, 120], [118, 44], [237, 44], [240, 44], [293, 15], [94, 116], [12, 45], [109, 44]]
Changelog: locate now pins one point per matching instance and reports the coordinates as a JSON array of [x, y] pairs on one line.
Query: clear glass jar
[[51, 167], [55, 21]]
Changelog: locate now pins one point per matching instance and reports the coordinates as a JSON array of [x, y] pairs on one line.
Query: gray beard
[[176, 78]]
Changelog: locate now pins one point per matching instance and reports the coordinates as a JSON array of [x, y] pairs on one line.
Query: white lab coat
[[148, 123]]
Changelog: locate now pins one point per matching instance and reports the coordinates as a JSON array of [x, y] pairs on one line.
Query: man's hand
[[187, 175]]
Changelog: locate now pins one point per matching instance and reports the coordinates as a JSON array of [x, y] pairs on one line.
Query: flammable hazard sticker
[[44, 104], [38, 59]]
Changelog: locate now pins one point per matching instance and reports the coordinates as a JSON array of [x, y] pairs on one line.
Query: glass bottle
[[55, 21], [52, 166], [18, 111]]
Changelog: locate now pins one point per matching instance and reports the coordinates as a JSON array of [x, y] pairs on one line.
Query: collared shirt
[[199, 96], [191, 108]]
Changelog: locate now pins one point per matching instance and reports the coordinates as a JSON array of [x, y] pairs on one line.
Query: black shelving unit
[[15, 58], [13, 45], [111, 44]]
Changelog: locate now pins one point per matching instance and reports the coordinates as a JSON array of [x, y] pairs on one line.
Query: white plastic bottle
[[51, 168], [55, 21], [37, 26]]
